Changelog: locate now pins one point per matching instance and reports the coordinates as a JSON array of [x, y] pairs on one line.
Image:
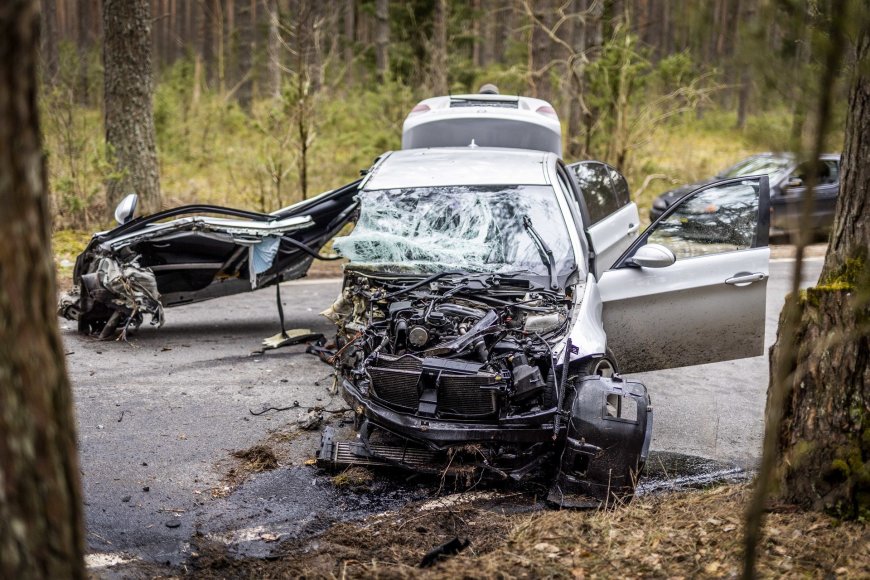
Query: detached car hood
[[197, 252]]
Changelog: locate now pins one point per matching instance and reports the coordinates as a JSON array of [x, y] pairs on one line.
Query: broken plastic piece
[[292, 336], [450, 548]]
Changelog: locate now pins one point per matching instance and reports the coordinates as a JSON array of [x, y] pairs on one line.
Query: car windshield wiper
[[544, 250]]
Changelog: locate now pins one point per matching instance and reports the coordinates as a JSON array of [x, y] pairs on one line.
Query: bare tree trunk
[[245, 47], [349, 38], [475, 33], [273, 87], [128, 89], [85, 45], [438, 50], [576, 61], [823, 440], [539, 49], [41, 531], [50, 36], [382, 38], [821, 355]]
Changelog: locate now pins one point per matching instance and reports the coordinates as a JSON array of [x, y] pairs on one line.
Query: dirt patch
[[681, 534]]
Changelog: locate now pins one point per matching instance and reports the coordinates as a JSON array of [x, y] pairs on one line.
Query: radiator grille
[[462, 395], [395, 382], [396, 388]]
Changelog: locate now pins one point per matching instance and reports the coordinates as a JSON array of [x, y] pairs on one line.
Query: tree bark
[[41, 531], [382, 38], [850, 236], [128, 89], [824, 440]]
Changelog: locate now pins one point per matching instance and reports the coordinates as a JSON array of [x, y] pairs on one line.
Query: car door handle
[[746, 279], [632, 228]]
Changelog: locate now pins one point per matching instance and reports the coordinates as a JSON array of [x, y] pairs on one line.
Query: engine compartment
[[454, 346]]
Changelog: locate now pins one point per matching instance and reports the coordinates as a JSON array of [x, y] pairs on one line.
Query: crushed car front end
[[454, 345]]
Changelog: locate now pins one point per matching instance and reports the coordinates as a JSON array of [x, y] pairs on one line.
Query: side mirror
[[794, 182], [126, 209], [653, 256]]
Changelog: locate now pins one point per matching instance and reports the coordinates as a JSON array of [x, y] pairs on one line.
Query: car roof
[[444, 166]]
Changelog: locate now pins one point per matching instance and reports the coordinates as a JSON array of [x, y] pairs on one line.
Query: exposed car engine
[[476, 344]]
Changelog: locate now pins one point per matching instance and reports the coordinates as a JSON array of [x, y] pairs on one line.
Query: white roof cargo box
[[488, 120]]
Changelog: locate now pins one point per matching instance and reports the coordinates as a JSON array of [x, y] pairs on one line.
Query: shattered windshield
[[474, 228]]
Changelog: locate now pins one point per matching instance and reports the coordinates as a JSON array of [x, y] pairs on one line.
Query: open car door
[[197, 252], [692, 288], [613, 219]]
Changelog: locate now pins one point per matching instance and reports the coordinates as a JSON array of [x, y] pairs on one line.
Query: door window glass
[[715, 220], [594, 182], [620, 187]]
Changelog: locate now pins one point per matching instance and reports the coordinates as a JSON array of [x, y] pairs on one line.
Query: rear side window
[[597, 188]]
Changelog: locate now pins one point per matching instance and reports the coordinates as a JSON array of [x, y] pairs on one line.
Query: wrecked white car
[[493, 296], [491, 301]]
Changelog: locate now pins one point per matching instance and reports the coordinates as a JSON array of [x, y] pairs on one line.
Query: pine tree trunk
[[825, 434], [128, 88], [438, 56], [382, 38], [49, 41], [84, 44], [41, 532], [273, 88], [245, 47], [349, 39]]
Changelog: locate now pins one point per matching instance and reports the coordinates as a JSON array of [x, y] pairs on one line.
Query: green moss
[[841, 469]]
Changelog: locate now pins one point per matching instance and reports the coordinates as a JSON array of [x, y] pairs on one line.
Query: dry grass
[[688, 534], [257, 458]]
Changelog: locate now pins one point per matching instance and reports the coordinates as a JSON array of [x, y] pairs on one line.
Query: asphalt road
[[158, 417]]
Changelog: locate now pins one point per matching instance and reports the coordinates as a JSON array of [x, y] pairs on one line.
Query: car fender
[[587, 327]]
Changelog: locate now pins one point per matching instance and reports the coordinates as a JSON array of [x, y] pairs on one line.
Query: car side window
[[715, 220], [620, 187], [597, 189], [827, 172], [833, 171]]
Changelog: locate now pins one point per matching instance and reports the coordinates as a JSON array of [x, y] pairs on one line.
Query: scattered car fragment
[[483, 314], [194, 253]]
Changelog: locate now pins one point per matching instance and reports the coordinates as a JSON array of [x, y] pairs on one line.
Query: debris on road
[[258, 458], [313, 420], [355, 478], [450, 548], [290, 337], [267, 409]]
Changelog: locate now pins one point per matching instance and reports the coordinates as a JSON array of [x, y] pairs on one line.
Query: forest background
[[261, 103]]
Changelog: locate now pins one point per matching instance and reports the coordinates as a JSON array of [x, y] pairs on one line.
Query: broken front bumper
[[438, 434]]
